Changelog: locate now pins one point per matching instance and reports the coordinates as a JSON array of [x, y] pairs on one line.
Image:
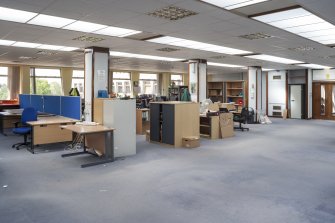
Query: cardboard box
[[226, 125], [191, 142], [147, 135]]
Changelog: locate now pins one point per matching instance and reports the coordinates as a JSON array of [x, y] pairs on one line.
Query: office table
[[7, 121], [47, 130], [142, 125], [99, 137]]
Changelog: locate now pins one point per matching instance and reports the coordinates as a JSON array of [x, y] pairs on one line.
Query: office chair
[[241, 118], [28, 114]]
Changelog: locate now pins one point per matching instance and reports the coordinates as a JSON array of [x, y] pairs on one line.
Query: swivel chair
[[28, 114], [241, 118]]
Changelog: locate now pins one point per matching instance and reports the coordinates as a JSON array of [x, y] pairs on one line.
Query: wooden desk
[[47, 130], [210, 126], [93, 138], [142, 125], [7, 121], [8, 106]]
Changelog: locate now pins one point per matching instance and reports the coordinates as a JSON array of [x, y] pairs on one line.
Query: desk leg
[[109, 151], [31, 149]]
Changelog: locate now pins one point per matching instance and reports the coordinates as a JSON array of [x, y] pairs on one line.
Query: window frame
[[6, 76], [34, 78]]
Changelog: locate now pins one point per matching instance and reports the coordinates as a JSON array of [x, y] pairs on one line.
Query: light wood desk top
[[143, 109], [52, 120], [86, 129]]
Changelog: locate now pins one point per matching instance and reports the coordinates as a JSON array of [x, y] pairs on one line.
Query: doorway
[[324, 101], [297, 101]]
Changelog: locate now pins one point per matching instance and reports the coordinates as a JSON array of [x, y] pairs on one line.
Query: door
[[324, 101], [296, 101]]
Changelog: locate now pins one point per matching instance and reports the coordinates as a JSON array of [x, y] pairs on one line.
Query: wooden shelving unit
[[176, 92], [209, 127], [235, 92], [215, 91]]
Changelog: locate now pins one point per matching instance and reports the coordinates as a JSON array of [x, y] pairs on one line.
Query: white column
[[96, 76], [198, 80]]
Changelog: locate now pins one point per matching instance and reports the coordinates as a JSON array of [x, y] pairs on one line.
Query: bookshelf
[[235, 92], [215, 91]]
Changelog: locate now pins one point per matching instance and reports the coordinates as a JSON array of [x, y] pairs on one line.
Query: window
[[3, 83], [78, 81], [121, 84], [177, 79], [148, 84], [45, 81]]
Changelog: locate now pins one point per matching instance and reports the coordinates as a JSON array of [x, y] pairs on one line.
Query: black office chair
[[28, 114], [241, 118]]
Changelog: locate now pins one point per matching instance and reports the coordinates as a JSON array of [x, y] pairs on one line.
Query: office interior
[[167, 111]]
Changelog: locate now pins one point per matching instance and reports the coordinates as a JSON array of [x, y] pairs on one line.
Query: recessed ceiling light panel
[[27, 45], [273, 59], [314, 66], [50, 47], [233, 4], [116, 31], [14, 15], [50, 21], [82, 26], [169, 40], [142, 56], [224, 65], [301, 22], [4, 42], [172, 13]]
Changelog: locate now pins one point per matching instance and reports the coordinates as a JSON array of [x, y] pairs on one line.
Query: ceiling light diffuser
[[68, 48], [174, 41], [50, 47], [233, 4], [50, 21], [314, 66], [116, 31], [14, 15], [82, 26], [27, 45], [273, 59], [142, 56], [301, 22], [224, 65], [4, 42]]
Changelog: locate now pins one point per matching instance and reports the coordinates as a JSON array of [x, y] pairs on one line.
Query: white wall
[[276, 91], [310, 96], [323, 75], [252, 72]]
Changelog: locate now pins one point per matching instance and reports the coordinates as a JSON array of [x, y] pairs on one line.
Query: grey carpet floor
[[278, 173]]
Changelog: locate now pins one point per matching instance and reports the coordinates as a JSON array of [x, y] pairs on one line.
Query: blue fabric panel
[[37, 102], [52, 104], [71, 107], [24, 100]]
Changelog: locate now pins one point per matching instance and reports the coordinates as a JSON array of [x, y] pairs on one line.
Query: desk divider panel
[[24, 100], [67, 106], [36, 101], [52, 104], [71, 107]]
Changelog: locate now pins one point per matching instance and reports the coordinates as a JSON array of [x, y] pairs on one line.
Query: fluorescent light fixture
[[27, 45], [50, 21], [116, 31], [4, 42], [314, 66], [301, 22], [82, 26], [14, 15], [142, 56], [267, 69], [273, 59], [50, 47], [233, 4], [224, 65], [68, 48], [174, 41]]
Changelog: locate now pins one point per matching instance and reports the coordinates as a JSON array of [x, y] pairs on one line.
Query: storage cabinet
[[235, 92], [215, 91], [142, 120], [209, 127], [171, 121]]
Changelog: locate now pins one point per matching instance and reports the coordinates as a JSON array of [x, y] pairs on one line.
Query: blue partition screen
[[24, 100], [52, 104], [36, 101], [71, 107]]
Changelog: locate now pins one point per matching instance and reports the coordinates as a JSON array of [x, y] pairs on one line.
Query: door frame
[[316, 100]]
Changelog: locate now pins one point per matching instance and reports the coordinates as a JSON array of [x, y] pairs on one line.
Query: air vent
[[302, 48], [168, 49], [90, 39], [218, 57], [276, 77], [277, 114], [172, 13], [46, 53], [276, 107], [255, 36]]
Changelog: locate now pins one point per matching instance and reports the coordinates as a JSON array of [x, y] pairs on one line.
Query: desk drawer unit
[[44, 134]]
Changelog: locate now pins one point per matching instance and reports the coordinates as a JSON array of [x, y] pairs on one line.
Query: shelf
[[234, 88], [214, 88], [204, 135], [215, 95], [201, 125], [230, 96]]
